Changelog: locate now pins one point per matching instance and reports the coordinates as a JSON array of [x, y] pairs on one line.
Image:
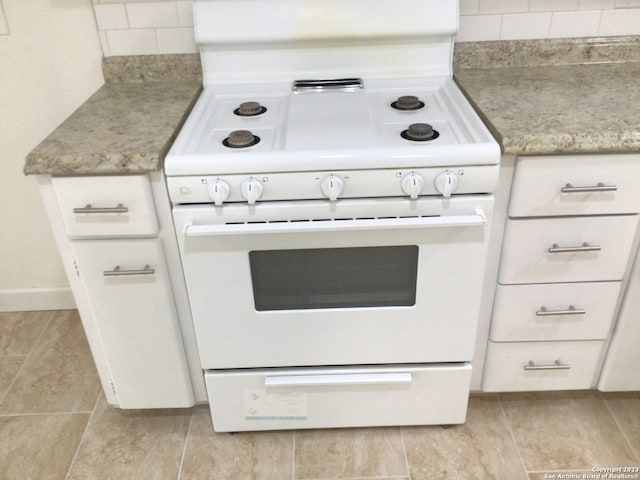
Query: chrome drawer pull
[[118, 272], [600, 187], [89, 209], [585, 247], [554, 366], [572, 310]]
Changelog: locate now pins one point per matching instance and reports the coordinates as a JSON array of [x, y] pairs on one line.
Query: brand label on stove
[[280, 404]]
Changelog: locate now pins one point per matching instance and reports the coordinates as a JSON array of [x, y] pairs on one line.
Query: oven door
[[335, 283]]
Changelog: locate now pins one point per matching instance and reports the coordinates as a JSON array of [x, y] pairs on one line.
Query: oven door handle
[[315, 226], [337, 379]]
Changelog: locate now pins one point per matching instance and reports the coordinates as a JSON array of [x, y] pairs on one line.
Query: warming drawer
[[317, 397]]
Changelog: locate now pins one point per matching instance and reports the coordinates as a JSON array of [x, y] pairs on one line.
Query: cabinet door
[[127, 284]]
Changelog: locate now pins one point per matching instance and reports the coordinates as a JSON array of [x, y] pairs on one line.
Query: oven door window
[[334, 277]]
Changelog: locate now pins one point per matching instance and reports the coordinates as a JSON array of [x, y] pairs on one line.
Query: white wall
[[49, 64], [140, 27]]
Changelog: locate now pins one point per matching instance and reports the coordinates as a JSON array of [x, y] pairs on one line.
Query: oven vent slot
[[341, 84]]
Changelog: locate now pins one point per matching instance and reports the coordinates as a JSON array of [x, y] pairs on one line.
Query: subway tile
[[469, 7], [595, 4], [39, 447], [627, 4], [574, 24], [620, 22], [176, 40], [553, 5], [503, 6], [185, 13], [475, 28], [104, 42], [111, 16], [152, 14], [132, 42], [525, 26]]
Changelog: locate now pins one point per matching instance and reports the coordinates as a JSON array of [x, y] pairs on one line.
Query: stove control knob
[[251, 190], [412, 184], [219, 192], [332, 186], [446, 183]]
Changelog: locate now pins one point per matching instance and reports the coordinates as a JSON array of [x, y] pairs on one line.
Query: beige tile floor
[[55, 424]]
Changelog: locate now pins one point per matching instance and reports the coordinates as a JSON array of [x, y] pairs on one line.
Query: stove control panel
[[411, 183]]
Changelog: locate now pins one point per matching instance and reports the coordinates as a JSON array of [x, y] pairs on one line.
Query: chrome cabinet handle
[[572, 310], [90, 209], [557, 365], [585, 247], [118, 272], [600, 187]]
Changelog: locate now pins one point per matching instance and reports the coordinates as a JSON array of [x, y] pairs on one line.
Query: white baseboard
[[30, 299]]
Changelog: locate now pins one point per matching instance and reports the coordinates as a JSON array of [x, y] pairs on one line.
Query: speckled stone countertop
[[127, 126], [556, 97], [537, 97]]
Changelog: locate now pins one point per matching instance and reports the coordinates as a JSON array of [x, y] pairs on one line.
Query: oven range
[[332, 197]]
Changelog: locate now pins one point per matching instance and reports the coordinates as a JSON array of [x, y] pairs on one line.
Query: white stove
[[332, 193]]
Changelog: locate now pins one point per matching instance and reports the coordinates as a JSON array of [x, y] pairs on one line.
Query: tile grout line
[[513, 437], [27, 357], [186, 443], [404, 450], [293, 457], [82, 437], [615, 419]]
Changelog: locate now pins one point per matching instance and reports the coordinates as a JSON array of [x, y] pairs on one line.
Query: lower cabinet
[[129, 291], [571, 228]]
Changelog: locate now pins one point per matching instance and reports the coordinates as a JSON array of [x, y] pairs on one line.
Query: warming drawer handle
[[557, 365], [572, 310], [88, 208], [600, 187], [337, 379], [119, 272], [585, 247], [478, 219]]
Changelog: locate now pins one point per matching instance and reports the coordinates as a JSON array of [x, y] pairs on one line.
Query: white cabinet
[[571, 228], [621, 369], [125, 282]]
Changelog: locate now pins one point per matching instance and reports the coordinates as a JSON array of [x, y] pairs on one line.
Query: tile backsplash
[[142, 27]]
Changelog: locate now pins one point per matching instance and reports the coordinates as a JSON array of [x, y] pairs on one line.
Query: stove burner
[[240, 139], [250, 109], [408, 102], [420, 132]]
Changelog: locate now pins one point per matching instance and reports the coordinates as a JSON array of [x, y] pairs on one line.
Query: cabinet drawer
[[128, 287], [544, 311], [317, 397], [110, 206], [592, 184], [508, 367], [527, 258]]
